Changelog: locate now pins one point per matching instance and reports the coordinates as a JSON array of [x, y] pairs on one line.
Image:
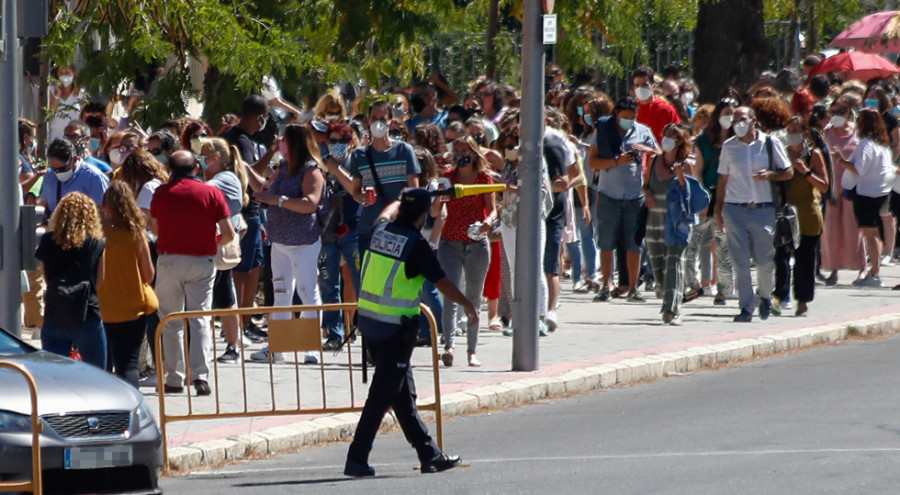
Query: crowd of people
[[652, 192]]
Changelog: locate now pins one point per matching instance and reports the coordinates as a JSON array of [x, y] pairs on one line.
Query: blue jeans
[[751, 233], [89, 339], [431, 297], [585, 249], [345, 247]]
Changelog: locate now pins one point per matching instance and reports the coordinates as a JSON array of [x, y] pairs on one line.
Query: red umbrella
[[878, 32], [856, 65]]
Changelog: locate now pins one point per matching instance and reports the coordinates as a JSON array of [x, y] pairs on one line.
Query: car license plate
[[99, 457]]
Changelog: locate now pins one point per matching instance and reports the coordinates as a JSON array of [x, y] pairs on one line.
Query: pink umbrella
[[878, 32], [856, 65]]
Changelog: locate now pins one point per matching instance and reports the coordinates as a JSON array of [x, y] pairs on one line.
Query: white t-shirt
[[874, 167], [67, 111], [740, 160], [146, 195]]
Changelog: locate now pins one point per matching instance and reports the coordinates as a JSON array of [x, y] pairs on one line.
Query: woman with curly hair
[[124, 300], [143, 173], [72, 260]]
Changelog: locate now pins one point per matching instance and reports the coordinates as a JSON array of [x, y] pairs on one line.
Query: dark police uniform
[[396, 265]]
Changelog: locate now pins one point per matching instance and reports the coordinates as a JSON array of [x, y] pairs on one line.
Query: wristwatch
[[281, 200], [808, 173]]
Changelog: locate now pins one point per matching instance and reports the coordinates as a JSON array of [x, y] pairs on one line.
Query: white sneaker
[[312, 357], [550, 320], [887, 261], [245, 342], [263, 356]]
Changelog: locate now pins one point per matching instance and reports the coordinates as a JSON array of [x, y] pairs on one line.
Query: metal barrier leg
[[36, 483]]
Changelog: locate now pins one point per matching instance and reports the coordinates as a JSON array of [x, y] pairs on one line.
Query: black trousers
[[392, 386], [124, 344], [804, 270]]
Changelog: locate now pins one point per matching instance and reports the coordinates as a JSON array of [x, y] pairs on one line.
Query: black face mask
[[479, 139], [417, 102], [462, 161]]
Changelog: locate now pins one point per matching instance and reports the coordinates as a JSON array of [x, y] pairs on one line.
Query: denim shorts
[[224, 295], [251, 247], [615, 220]]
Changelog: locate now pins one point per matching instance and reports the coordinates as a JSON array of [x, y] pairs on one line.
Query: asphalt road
[[819, 422]]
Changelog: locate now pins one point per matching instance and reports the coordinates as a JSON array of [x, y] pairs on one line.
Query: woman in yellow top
[[126, 296], [804, 192]]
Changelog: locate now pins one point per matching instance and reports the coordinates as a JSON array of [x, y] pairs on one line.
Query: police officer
[[396, 265]]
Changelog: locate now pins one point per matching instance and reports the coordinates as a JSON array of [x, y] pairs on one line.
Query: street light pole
[[10, 246], [529, 265]]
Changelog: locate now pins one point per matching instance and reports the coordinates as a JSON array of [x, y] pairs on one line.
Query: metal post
[[531, 146], [10, 248]]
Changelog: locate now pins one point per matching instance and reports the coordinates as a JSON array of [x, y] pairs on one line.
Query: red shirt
[[656, 114], [186, 211], [463, 212]]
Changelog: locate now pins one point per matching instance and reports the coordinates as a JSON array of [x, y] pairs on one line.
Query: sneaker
[[253, 338], [543, 329], [786, 305], [765, 309], [263, 356], [507, 332], [603, 295], [447, 358], [868, 281], [332, 344], [719, 300], [777, 305], [312, 357], [634, 296], [255, 331], [550, 321], [744, 317], [230, 356], [887, 261], [581, 287], [148, 381], [668, 317]]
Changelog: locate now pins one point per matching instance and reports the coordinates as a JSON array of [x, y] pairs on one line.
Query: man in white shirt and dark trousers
[[746, 209]]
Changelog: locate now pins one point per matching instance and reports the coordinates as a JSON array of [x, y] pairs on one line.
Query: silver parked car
[[99, 435]]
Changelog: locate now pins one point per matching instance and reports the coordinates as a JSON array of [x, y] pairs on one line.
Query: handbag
[[151, 302], [67, 298], [787, 224], [228, 255]]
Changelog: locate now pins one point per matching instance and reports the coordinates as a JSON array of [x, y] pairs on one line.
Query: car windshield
[[10, 345]]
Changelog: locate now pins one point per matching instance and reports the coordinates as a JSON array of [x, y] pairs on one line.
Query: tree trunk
[[730, 47], [490, 52], [812, 34], [221, 96]]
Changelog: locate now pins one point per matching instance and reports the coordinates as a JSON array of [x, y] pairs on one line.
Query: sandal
[[692, 294], [495, 324], [620, 292]]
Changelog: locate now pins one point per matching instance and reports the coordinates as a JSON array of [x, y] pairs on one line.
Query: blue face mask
[[579, 111], [338, 151], [94, 144], [871, 103], [203, 164], [626, 124], [589, 119]]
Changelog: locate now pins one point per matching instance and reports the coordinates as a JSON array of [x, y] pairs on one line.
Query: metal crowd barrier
[[294, 335], [35, 485]]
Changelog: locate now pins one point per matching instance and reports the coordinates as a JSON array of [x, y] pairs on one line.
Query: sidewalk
[[597, 345]]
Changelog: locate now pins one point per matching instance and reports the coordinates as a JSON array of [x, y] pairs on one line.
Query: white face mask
[[65, 176], [66, 80], [725, 121], [643, 93], [512, 154], [668, 144], [741, 128], [115, 157], [379, 129], [687, 98], [450, 147], [838, 121], [794, 139]]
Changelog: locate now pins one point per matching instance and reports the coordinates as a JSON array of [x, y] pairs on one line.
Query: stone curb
[[340, 426]]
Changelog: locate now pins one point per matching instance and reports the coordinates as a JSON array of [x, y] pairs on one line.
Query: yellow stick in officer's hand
[[463, 190]]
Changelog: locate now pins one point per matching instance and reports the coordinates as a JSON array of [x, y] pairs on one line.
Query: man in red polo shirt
[[653, 112], [184, 214]]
